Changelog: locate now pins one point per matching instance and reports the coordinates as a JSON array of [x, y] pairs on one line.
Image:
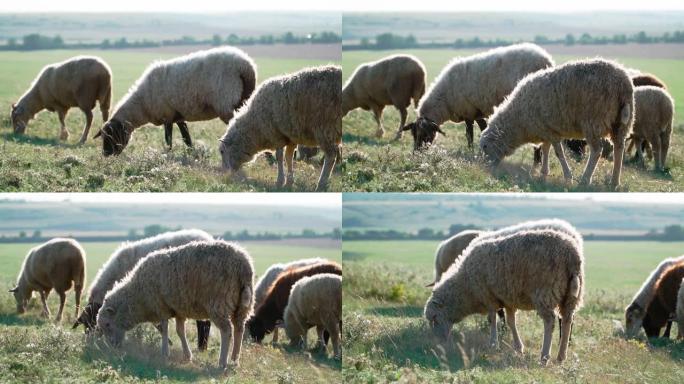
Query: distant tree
[[365, 43], [619, 39], [57, 42], [36, 234], [673, 233], [426, 233], [233, 39], [153, 230], [228, 235], [541, 39], [22, 235], [642, 38], [12, 42], [308, 233], [569, 39], [132, 234], [106, 44], [289, 38], [216, 40], [336, 233], [585, 39]]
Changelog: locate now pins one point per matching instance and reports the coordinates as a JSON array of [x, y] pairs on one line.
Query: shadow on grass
[[353, 256], [34, 140], [13, 319], [405, 311], [318, 357], [368, 140], [673, 347]]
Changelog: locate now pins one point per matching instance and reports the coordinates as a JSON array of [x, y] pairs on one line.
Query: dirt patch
[[332, 52], [648, 51]]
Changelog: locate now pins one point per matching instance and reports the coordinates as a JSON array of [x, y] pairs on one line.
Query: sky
[[330, 200], [199, 6], [631, 197]]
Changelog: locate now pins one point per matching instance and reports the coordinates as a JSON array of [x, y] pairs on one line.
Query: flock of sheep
[[537, 265], [189, 274], [301, 108], [525, 98]]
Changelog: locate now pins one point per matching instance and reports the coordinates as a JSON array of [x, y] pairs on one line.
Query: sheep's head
[[21, 299], [634, 316], [232, 154], [115, 137], [490, 146], [19, 117], [88, 317], [437, 319], [256, 329], [424, 132], [110, 324]]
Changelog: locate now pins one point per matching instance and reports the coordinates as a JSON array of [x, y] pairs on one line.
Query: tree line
[[669, 233], [392, 41], [37, 41]]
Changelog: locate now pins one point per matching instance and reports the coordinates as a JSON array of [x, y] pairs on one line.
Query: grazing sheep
[[450, 249], [680, 311], [315, 301], [300, 108], [122, 261], [202, 279], [469, 88], [587, 99], [270, 312], [54, 264], [77, 82], [393, 80], [653, 122], [200, 86], [662, 309], [636, 311], [548, 271]]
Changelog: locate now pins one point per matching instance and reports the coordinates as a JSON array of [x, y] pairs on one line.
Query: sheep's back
[[317, 299], [53, 259], [654, 109]]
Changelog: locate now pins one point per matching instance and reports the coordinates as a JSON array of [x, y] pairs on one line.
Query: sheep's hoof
[[82, 140], [544, 360], [379, 134], [560, 359], [187, 357], [398, 135], [280, 183]]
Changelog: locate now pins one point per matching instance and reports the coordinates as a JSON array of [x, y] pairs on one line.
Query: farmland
[[37, 161], [382, 165], [387, 339], [35, 350]]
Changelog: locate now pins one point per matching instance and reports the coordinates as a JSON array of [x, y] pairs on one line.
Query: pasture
[[387, 339], [35, 350], [384, 165], [38, 161]]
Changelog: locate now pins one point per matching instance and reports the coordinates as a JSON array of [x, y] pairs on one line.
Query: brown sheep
[[77, 82], [663, 307]]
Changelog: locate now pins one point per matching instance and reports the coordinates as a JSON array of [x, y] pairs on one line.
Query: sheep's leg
[[281, 171], [510, 318], [321, 339], [62, 300], [89, 121], [560, 154], [183, 128], [328, 165], [545, 148], [565, 331], [482, 123], [377, 114], [403, 114], [657, 150], [469, 132], [549, 323], [180, 331], [226, 330], [275, 335], [78, 289], [594, 154], [618, 153], [63, 132], [493, 337], [168, 134], [289, 161], [164, 328], [203, 331], [335, 335], [665, 144], [668, 328], [639, 155], [239, 328], [43, 298]]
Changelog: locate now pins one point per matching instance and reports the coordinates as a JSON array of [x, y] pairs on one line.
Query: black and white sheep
[[80, 81]]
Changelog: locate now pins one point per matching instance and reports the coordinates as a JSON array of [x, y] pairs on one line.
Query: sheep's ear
[[408, 127], [14, 106], [430, 285], [438, 129], [98, 134], [76, 324], [14, 289]]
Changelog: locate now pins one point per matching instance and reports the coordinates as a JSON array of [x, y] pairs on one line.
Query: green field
[[383, 165], [39, 162], [34, 350], [386, 338]]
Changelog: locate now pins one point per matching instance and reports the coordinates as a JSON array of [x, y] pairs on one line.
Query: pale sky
[[330, 200], [631, 197], [198, 6]]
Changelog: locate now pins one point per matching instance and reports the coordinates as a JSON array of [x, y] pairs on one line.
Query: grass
[[39, 162], [35, 350], [382, 165], [387, 340]]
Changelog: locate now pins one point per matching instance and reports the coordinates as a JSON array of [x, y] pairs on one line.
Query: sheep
[[55, 264], [680, 310], [123, 260], [469, 88], [636, 311], [299, 108], [200, 86], [450, 249], [662, 308], [202, 279], [642, 79], [653, 122], [315, 301], [393, 80], [80, 81], [587, 99], [270, 312], [548, 267]]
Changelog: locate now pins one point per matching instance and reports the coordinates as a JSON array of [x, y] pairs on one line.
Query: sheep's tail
[[246, 299], [105, 98], [573, 296], [79, 276], [418, 90], [248, 77]]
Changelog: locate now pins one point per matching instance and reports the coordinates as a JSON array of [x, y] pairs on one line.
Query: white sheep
[[450, 249], [469, 88], [392, 80], [540, 270], [202, 279], [589, 99], [653, 122], [315, 301], [122, 261], [55, 264], [80, 81], [637, 309], [200, 86], [299, 108]]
